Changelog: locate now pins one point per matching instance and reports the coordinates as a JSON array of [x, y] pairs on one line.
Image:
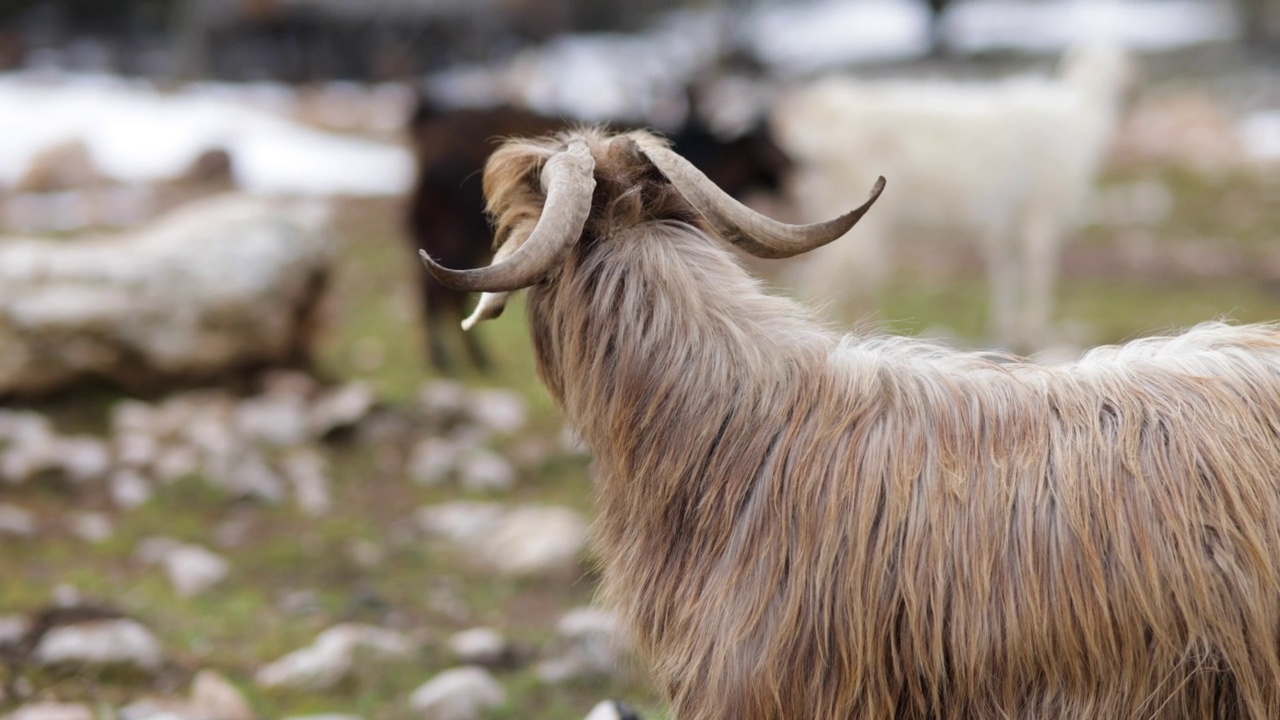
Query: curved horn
[[759, 235], [568, 181]]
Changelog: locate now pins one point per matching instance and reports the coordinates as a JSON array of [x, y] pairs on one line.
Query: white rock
[[498, 410], [593, 644], [176, 461], [462, 522], [129, 488], [52, 711], [307, 472], [325, 716], [276, 419], [30, 447], [325, 662], [153, 550], [100, 642], [136, 449], [23, 426], [432, 460], [341, 408], [611, 710], [484, 470], [16, 522], [212, 697], [66, 595], [250, 476], [464, 693], [289, 382], [13, 628], [132, 416], [536, 539], [443, 400], [215, 698], [218, 284], [83, 458], [479, 646], [94, 527], [193, 570]]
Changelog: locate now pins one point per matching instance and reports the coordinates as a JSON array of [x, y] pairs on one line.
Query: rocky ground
[[376, 542]]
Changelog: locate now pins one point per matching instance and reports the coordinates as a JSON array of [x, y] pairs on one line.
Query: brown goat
[[798, 524]]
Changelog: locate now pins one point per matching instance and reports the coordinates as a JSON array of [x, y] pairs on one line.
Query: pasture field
[[1215, 255]]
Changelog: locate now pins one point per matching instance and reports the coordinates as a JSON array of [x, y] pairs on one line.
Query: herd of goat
[[1006, 166], [796, 523]]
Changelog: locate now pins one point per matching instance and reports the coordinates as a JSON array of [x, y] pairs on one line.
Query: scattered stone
[[307, 471], [480, 646], [462, 522], [52, 711], [498, 410], [99, 643], [66, 595], [30, 447], [594, 645], [443, 401], [275, 419], [612, 710], [83, 458], [212, 697], [341, 409], [536, 539], [193, 570], [526, 540], [216, 698], [132, 416], [251, 477], [136, 449], [94, 527], [325, 662], [220, 284], [16, 522], [289, 382], [464, 693], [484, 470], [432, 461], [129, 488], [175, 462], [153, 550], [13, 628]]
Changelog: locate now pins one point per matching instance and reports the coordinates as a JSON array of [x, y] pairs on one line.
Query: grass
[[374, 335]]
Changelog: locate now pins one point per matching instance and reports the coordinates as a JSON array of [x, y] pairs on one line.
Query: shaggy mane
[[801, 524]]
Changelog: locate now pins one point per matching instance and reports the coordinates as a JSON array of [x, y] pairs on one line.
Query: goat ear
[[490, 306]]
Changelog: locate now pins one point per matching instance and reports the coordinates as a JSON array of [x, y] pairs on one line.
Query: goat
[[798, 524], [446, 207], [1008, 165]]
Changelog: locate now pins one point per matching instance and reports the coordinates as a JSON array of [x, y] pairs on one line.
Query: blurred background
[[248, 467]]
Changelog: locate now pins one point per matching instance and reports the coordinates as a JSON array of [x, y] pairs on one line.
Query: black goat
[[446, 213]]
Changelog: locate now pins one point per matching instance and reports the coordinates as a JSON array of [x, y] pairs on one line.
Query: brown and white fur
[[802, 524]]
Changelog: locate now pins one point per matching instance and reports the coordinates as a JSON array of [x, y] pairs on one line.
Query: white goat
[[1005, 164]]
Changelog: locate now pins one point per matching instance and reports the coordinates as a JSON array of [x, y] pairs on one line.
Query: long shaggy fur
[[799, 524]]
